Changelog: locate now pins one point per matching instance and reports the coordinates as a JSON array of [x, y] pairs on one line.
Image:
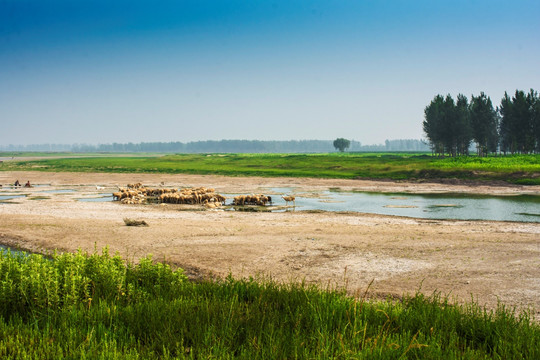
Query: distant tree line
[[215, 146], [38, 147], [403, 145], [513, 127], [226, 146]]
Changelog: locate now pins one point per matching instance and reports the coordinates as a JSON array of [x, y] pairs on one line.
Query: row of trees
[[214, 146], [514, 126], [342, 144], [225, 146]]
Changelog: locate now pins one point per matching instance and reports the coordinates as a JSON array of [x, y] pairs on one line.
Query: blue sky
[[133, 71]]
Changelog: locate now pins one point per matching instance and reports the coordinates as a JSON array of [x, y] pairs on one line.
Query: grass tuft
[[131, 222]]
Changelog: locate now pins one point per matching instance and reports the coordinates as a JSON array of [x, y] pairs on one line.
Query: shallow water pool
[[431, 206]]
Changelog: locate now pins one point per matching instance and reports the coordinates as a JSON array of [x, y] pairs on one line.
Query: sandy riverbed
[[488, 260]]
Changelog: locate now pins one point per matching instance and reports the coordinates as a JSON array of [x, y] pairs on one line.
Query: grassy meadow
[[98, 306], [520, 169]]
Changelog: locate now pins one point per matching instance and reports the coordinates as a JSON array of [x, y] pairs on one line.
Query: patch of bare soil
[[489, 261]]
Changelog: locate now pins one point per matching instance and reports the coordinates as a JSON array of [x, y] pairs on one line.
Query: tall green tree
[[449, 128], [447, 125], [507, 140], [433, 124], [463, 125], [484, 124], [534, 118], [520, 122], [341, 144], [523, 127]]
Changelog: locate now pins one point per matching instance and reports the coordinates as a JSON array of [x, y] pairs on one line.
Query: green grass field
[[522, 169], [95, 306]]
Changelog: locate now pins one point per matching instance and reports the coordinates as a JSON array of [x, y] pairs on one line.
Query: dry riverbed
[[490, 261]]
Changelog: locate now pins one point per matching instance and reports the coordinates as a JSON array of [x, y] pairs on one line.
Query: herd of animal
[[193, 196], [259, 199], [139, 194]]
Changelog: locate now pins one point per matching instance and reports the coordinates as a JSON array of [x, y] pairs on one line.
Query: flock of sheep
[[138, 194], [259, 199], [193, 196]]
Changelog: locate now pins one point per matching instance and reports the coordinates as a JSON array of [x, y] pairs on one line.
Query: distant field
[[520, 169]]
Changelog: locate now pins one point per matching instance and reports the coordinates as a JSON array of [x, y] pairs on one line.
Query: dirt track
[[490, 261]]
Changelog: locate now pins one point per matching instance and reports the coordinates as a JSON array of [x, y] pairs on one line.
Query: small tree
[[341, 144]]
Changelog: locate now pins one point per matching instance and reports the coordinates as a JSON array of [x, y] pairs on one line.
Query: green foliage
[[484, 124], [34, 284], [513, 127], [520, 122], [397, 166], [96, 306], [506, 163], [341, 144], [450, 126]]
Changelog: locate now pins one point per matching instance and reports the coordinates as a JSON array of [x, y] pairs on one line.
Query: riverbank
[[486, 259]]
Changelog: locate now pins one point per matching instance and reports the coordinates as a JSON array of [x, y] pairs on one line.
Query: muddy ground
[[486, 260]]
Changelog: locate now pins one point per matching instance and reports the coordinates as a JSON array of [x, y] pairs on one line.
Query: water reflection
[[431, 206], [9, 197], [59, 191], [104, 198]]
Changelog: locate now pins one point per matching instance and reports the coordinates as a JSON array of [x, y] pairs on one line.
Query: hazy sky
[[77, 71]]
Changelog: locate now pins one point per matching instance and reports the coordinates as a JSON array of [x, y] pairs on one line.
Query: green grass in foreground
[[95, 306], [523, 169]]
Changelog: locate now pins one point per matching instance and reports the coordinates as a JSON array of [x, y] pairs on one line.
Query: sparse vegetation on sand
[[132, 222], [97, 306], [522, 169]]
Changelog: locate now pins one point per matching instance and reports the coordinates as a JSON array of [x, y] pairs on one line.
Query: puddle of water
[[401, 206], [9, 197], [330, 201], [97, 199], [444, 205], [61, 191], [431, 206]]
